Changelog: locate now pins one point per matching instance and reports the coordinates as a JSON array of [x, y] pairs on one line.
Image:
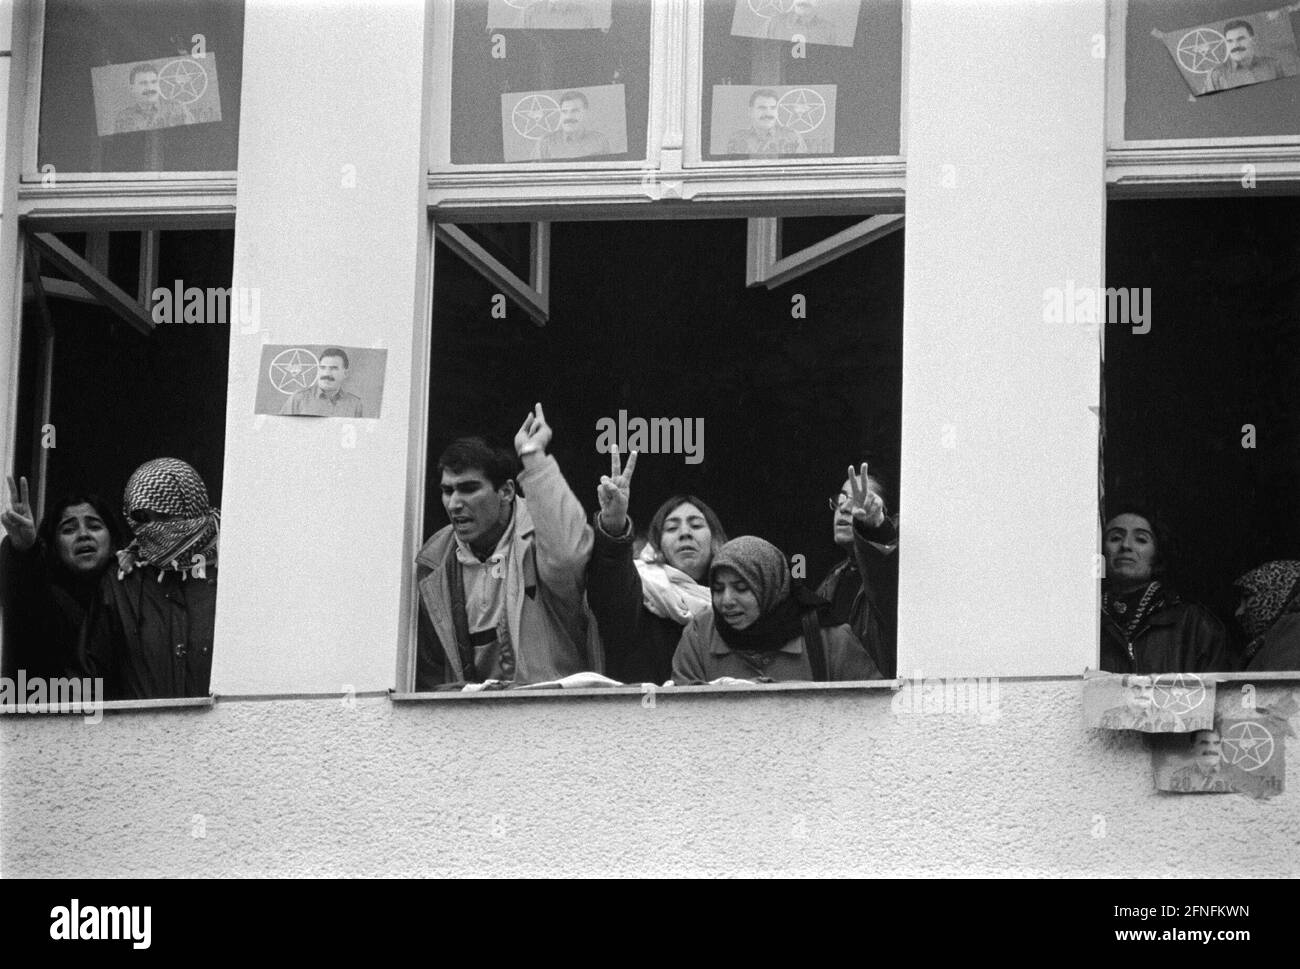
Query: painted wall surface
[[1005, 201], [331, 234], [796, 782]]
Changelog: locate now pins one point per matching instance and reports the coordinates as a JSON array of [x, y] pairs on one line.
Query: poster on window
[[832, 22], [164, 92], [1166, 703], [548, 14], [1237, 52], [766, 122], [564, 123], [316, 380]]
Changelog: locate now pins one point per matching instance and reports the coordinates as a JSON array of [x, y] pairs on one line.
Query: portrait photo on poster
[[564, 123], [1165, 703], [1234, 53], [321, 380], [165, 92], [759, 122], [1240, 754], [830, 22], [548, 14]]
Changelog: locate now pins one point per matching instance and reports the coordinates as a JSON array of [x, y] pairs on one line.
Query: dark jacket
[[870, 607], [43, 608], [151, 639], [639, 645], [1280, 650], [1180, 638]]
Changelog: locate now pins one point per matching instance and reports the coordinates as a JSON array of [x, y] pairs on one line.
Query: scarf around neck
[[774, 629], [1129, 610], [781, 601], [667, 591]]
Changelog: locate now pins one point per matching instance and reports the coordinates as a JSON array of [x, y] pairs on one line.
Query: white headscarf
[[669, 592]]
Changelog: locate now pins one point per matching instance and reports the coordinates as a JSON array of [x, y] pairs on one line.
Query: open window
[[1202, 387], [781, 388]]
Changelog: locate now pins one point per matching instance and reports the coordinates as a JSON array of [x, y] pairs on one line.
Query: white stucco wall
[[800, 783]]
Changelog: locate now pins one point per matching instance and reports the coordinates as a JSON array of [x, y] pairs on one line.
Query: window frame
[[693, 100], [1188, 167], [77, 195], [672, 173]]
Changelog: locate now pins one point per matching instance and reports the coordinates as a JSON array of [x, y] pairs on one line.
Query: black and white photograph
[[1245, 755], [832, 22], [564, 124], [548, 14], [692, 440], [1234, 53], [321, 381], [763, 122], [160, 93]]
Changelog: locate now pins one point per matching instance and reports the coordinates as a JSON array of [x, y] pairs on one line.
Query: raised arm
[[563, 537], [613, 583]]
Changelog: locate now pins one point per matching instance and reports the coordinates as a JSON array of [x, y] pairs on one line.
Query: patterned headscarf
[[184, 544], [761, 564], [1268, 589]]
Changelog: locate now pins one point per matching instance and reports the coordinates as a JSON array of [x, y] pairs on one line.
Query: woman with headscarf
[[764, 628], [1146, 627], [1269, 613], [48, 578], [150, 632], [642, 601]]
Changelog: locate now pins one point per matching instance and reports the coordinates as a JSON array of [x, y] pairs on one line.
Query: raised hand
[[17, 519], [533, 435], [613, 493], [864, 504]]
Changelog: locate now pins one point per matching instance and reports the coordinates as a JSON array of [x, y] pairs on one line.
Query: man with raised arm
[[501, 586]]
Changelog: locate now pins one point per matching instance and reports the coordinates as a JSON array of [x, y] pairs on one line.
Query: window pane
[[512, 69], [1236, 49], [141, 86], [768, 93]]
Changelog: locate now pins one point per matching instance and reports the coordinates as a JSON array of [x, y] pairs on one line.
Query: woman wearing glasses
[[863, 588]]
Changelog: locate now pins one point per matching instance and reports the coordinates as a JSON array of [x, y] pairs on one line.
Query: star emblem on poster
[[1247, 745], [1179, 694], [801, 110], [293, 370], [183, 81], [770, 8], [1202, 50], [535, 116]]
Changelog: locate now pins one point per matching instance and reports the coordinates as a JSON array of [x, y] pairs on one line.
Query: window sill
[[647, 689], [111, 706]]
